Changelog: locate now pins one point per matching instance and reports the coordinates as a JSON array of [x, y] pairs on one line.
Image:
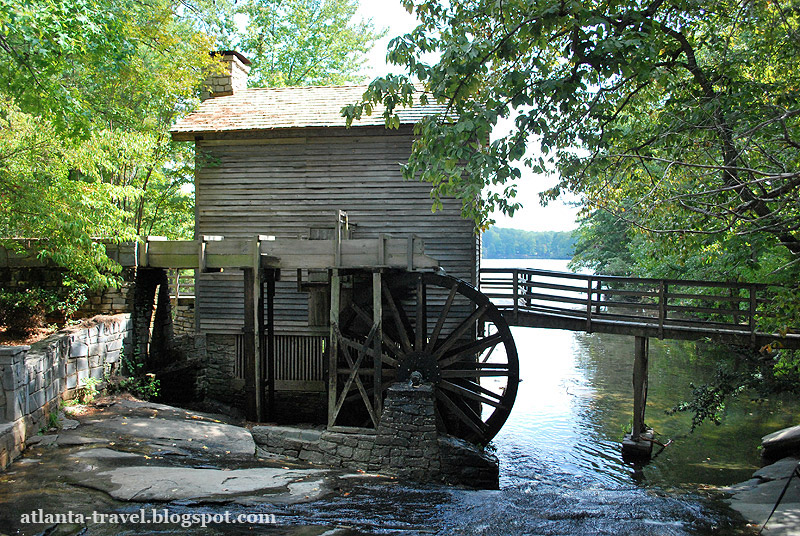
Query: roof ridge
[[294, 88]]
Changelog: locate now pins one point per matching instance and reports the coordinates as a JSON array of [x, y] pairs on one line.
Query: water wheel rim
[[453, 384], [475, 411]]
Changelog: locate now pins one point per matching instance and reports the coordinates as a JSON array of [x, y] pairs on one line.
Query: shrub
[[22, 311]]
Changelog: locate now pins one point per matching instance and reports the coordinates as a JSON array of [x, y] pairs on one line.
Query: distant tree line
[[500, 243]]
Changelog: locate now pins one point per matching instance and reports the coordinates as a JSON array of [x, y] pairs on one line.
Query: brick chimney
[[229, 78]]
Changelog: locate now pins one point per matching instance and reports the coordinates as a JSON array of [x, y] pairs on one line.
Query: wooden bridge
[[641, 307]]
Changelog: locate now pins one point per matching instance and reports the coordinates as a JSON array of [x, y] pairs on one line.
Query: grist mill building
[[280, 162]]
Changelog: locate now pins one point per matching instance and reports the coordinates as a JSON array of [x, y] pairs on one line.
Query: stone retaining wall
[[220, 381], [36, 378], [405, 444], [183, 316]]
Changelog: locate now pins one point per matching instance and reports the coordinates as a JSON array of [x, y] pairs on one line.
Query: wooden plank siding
[[285, 182]]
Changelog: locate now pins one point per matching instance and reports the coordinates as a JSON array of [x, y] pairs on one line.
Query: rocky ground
[[123, 456], [756, 498]]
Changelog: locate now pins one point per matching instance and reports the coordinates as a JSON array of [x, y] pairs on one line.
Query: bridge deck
[[662, 308]]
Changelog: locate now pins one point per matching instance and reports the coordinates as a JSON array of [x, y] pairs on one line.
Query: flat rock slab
[[780, 469], [103, 453], [165, 484], [42, 440], [205, 437], [756, 498], [77, 440], [781, 443], [768, 493]]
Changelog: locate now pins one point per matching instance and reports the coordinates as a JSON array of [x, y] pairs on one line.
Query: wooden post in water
[[638, 444], [640, 365]]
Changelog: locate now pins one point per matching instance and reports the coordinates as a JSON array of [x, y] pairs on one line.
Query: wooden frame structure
[[261, 259]]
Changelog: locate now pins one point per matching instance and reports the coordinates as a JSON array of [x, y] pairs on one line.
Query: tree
[[499, 243], [676, 119], [305, 42], [685, 111], [90, 90]]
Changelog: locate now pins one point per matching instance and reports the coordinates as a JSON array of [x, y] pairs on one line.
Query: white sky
[[532, 217]]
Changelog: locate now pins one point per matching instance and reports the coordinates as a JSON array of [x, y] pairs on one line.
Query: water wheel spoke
[[466, 415], [399, 320], [492, 365], [437, 330], [390, 345], [467, 393], [470, 349], [491, 350], [462, 328], [478, 388], [465, 373], [421, 328]]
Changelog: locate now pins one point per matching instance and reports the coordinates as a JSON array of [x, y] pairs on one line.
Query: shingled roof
[[289, 107]]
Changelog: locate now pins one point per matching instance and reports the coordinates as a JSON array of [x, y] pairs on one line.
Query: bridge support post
[[639, 444]]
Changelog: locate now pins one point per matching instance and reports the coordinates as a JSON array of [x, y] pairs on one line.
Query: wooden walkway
[[661, 308]]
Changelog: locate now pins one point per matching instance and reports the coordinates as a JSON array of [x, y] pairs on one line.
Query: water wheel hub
[[423, 362]]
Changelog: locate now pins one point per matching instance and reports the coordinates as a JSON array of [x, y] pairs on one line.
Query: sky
[[557, 216]]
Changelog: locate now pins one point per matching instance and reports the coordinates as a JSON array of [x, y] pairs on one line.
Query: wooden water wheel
[[406, 326]]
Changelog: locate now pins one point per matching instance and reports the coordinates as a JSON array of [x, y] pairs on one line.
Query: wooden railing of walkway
[[662, 308]]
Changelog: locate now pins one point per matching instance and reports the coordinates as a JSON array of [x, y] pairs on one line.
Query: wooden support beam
[[377, 316], [253, 399], [271, 277], [333, 347]]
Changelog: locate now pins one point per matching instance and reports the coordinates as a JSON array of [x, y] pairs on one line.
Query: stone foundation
[[220, 382], [183, 316], [36, 378], [405, 444]]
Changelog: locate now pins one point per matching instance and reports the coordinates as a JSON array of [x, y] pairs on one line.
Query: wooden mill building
[[280, 162]]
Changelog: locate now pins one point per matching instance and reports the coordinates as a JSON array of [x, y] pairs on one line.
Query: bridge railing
[[659, 303], [181, 283]]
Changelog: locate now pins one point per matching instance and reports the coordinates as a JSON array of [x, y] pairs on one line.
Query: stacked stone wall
[[183, 316], [219, 381], [405, 444], [36, 378]]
